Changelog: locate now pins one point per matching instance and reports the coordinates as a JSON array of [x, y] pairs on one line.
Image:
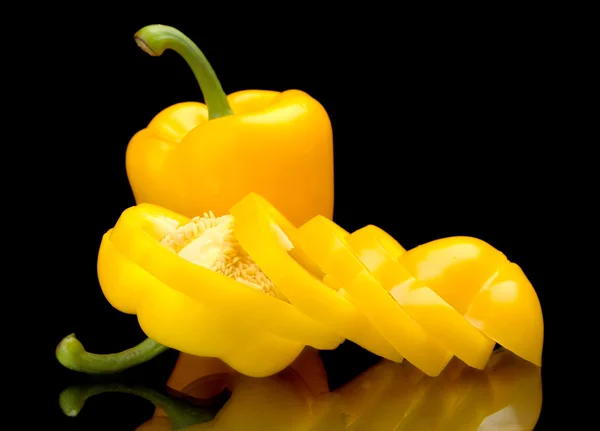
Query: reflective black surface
[[204, 393], [438, 126]]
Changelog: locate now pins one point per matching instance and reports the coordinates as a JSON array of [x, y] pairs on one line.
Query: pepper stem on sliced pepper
[[155, 39], [72, 355], [181, 414]]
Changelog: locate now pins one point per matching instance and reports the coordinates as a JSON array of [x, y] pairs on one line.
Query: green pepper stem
[[71, 354], [180, 413], [155, 39]]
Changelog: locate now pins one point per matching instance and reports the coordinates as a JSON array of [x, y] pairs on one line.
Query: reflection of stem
[[181, 414]]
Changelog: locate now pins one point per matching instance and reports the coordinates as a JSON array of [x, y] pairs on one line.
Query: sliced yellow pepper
[[278, 249], [405, 334], [478, 281], [171, 318], [137, 234], [379, 252], [194, 309]]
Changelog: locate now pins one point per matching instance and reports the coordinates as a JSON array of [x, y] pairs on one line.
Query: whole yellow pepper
[[194, 158]]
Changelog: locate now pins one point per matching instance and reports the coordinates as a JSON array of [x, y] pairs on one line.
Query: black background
[[439, 119]]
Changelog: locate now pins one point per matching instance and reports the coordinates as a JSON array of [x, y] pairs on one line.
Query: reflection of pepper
[[393, 396], [308, 366], [180, 415], [295, 399], [516, 384], [194, 289], [194, 158], [379, 397]]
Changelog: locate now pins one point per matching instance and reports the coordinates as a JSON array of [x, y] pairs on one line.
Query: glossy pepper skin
[[379, 252], [346, 269], [461, 291], [479, 281], [193, 309], [285, 257], [193, 158]]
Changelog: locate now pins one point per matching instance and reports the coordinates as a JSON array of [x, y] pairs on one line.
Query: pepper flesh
[[380, 252], [494, 294], [193, 157], [282, 254], [194, 309]]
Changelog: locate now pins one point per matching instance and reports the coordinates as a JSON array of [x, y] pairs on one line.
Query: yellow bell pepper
[[492, 293], [194, 289], [379, 252], [409, 338], [194, 158], [282, 254]]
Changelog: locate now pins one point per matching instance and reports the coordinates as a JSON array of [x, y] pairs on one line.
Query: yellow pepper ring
[[404, 333], [277, 247], [378, 251], [210, 288]]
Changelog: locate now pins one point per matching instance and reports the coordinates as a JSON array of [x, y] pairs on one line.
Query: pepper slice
[[379, 252], [494, 294], [137, 234], [404, 333], [276, 246]]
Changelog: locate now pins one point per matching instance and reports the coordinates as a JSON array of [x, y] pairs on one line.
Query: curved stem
[[155, 39], [71, 354], [180, 413]]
